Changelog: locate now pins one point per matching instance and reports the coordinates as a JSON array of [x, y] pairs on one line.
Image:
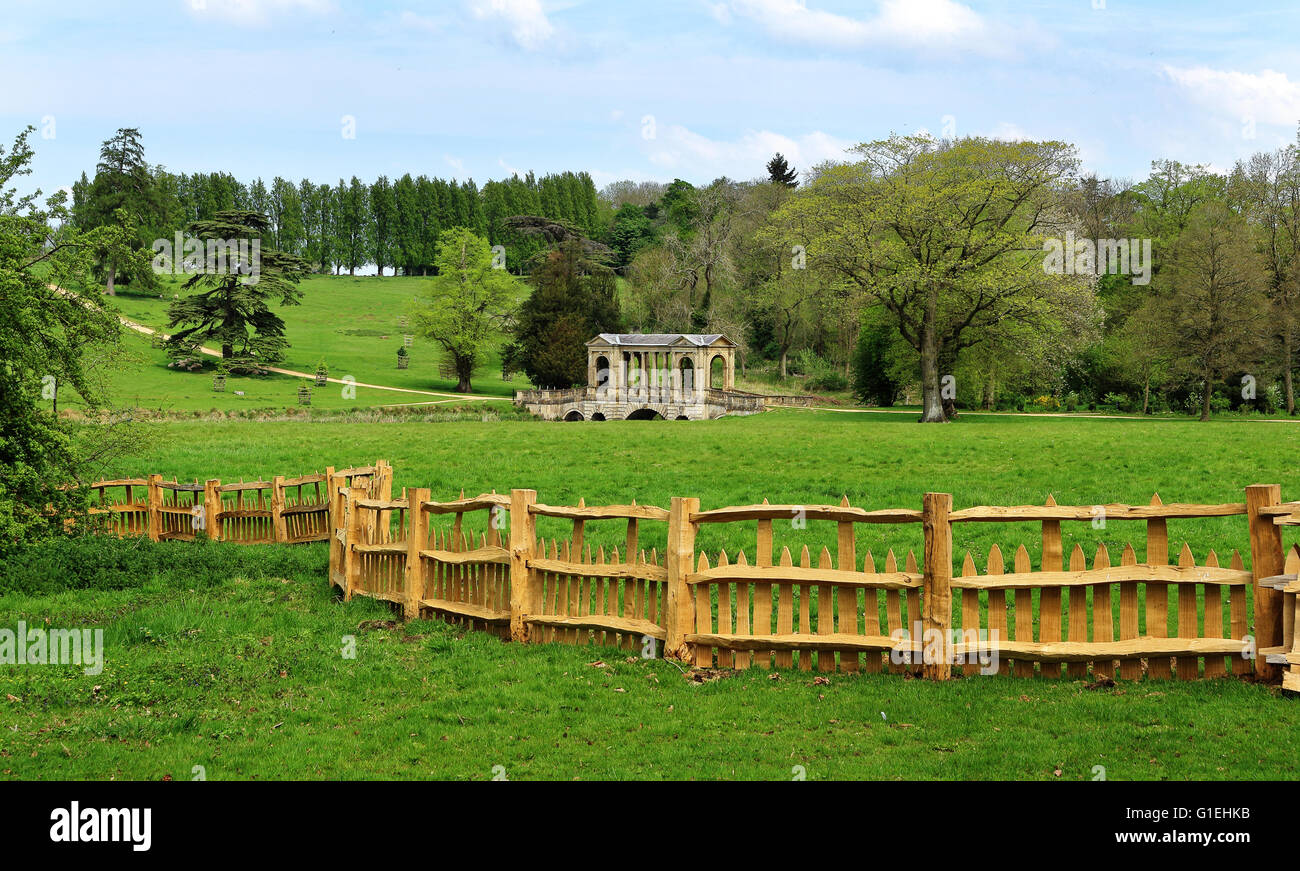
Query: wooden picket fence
[[279, 511], [480, 563]]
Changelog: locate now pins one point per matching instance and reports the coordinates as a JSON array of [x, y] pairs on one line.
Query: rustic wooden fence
[[282, 510], [479, 562]]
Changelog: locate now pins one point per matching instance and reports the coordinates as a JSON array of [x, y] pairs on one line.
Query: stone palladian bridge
[[646, 376]]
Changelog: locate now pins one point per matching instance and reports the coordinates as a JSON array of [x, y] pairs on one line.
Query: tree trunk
[[227, 351], [989, 392], [1287, 352], [112, 276], [1205, 401], [931, 403], [785, 356], [1146, 394], [463, 372]]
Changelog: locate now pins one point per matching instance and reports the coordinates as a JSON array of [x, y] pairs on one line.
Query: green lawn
[[233, 661], [788, 457], [230, 658], [350, 323]]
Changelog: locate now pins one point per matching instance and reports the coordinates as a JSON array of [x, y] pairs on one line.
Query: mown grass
[[788, 457], [233, 660], [351, 323]]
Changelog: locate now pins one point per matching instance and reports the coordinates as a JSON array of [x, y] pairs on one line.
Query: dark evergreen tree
[[232, 308], [780, 172]]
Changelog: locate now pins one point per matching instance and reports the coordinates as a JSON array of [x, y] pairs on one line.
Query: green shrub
[[106, 562]]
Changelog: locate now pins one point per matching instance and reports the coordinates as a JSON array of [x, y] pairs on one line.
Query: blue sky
[[655, 90]]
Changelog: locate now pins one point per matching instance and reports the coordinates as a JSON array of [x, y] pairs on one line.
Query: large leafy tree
[[50, 325], [122, 183], [1268, 189], [1211, 300], [233, 309], [573, 300], [464, 304], [946, 236]]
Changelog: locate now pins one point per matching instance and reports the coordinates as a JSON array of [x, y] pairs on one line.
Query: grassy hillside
[[353, 324]]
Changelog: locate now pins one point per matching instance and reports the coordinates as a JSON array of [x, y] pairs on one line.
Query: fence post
[[154, 499], [679, 605], [1265, 561], [351, 559], [212, 509], [525, 596], [337, 523], [417, 539], [279, 529], [383, 480], [937, 585]]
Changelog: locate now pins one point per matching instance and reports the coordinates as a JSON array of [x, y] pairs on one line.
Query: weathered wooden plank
[[808, 512], [1187, 667], [1049, 600], [1103, 615], [1078, 613], [846, 560], [1038, 513], [607, 570], [763, 593], [1158, 593], [785, 609], [807, 576], [1024, 628], [487, 554], [602, 623], [997, 620], [601, 512], [1070, 651]]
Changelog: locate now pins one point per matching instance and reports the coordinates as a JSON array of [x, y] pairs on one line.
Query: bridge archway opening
[[574, 415], [681, 417], [598, 416], [718, 372], [645, 414]]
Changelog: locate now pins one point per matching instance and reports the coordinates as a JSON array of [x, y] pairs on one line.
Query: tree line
[[392, 224], [972, 273]]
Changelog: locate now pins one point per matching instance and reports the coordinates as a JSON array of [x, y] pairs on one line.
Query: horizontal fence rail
[[480, 562], [279, 511]]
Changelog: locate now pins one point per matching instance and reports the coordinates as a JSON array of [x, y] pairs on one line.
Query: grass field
[[878, 460], [350, 323], [231, 658]]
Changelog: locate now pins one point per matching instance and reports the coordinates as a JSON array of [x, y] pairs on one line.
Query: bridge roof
[[661, 340]]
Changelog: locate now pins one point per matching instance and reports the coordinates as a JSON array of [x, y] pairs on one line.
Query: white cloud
[[255, 12], [1267, 97], [908, 22], [525, 19], [685, 152], [456, 163]]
